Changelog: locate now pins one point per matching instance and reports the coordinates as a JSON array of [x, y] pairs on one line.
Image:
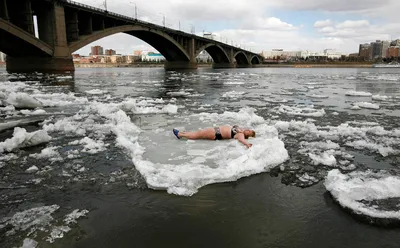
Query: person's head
[[249, 133]]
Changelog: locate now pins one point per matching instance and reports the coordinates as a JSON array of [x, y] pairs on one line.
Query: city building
[[395, 43], [152, 57], [96, 50], [393, 52], [2, 57], [280, 54], [377, 48], [365, 51], [385, 46], [110, 52]]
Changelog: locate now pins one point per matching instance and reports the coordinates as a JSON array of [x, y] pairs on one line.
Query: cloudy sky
[[260, 25]]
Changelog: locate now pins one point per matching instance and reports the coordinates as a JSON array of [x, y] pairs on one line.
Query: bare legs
[[208, 133]]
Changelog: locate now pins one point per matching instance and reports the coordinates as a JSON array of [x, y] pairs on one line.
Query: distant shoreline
[[305, 65], [299, 65]]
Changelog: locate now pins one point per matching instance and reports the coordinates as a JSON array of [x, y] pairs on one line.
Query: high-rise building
[[2, 57], [110, 52], [377, 48], [365, 51], [385, 46], [97, 50]]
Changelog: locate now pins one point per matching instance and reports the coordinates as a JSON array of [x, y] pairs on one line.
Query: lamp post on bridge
[[192, 28], [135, 10], [163, 19]]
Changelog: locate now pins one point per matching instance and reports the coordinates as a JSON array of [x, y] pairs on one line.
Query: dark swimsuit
[[218, 135]]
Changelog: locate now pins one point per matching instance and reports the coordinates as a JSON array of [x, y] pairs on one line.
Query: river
[[89, 159]]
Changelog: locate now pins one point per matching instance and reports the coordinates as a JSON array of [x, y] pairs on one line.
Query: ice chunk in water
[[23, 100], [29, 243], [362, 192], [358, 93], [21, 138]]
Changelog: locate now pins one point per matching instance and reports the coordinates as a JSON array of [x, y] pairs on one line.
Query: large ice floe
[[194, 164], [21, 138], [358, 93], [308, 111], [373, 195], [23, 100]]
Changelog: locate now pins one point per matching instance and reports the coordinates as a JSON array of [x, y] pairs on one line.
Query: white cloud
[[269, 23], [329, 5], [353, 24], [323, 23]]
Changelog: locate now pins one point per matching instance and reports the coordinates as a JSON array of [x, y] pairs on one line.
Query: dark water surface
[[272, 209]]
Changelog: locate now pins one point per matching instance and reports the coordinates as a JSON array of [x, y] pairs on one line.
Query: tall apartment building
[[365, 51], [97, 50], [110, 52], [385, 46], [376, 49]]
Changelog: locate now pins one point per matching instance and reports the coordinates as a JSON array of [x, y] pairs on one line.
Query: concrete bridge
[[65, 26]]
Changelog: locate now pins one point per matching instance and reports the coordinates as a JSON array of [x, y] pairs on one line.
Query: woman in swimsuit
[[219, 133]]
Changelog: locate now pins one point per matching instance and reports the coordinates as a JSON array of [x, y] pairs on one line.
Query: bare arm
[[240, 137]]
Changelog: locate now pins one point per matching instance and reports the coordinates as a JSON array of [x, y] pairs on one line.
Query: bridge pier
[[40, 64], [177, 65], [223, 65]]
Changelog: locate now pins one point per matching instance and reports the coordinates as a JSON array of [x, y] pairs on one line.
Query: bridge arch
[[216, 52], [255, 60], [16, 42], [166, 45], [241, 58]]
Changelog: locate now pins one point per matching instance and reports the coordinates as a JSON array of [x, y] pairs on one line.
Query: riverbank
[[299, 65], [307, 65], [138, 65]]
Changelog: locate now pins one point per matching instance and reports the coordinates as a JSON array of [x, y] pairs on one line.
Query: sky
[[262, 25]]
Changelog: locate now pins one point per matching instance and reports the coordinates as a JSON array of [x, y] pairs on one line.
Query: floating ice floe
[[381, 98], [49, 153], [303, 111], [21, 138], [359, 135], [234, 83], [23, 100], [358, 93], [217, 162], [271, 100], [35, 112], [29, 243], [96, 92], [179, 93], [233, 94], [226, 161], [149, 107], [366, 105], [318, 96], [366, 193]]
